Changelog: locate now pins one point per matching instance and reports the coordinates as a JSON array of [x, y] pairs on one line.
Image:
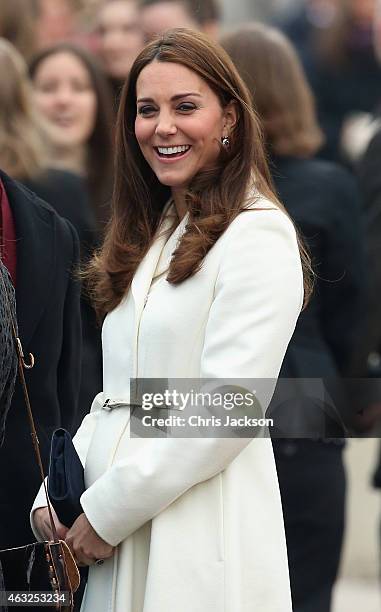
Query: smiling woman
[[72, 95], [179, 134], [200, 276]]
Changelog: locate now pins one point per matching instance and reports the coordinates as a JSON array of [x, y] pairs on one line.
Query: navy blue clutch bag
[[66, 478]]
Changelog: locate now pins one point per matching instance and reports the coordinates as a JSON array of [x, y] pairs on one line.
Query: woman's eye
[[80, 87], [186, 107], [46, 87], [146, 111]]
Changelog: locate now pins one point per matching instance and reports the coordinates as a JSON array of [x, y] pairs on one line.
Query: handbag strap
[[21, 364]]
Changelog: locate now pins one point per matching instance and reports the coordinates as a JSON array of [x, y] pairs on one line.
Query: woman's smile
[[173, 153]]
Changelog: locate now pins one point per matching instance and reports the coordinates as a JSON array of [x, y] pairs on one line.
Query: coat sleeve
[[81, 443], [257, 300], [69, 367]]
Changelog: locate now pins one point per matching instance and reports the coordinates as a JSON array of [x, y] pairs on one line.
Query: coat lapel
[[142, 280], [35, 256], [143, 277]]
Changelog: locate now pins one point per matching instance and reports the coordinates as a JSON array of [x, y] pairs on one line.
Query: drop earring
[[225, 142]]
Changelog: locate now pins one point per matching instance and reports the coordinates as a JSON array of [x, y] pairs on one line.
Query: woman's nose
[[63, 96], [166, 125]]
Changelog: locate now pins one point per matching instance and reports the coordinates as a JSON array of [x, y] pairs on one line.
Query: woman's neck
[[71, 159]]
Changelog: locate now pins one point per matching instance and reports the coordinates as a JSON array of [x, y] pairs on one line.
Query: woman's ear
[[230, 115]]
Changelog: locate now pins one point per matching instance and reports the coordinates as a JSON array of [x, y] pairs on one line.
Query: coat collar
[[141, 282]]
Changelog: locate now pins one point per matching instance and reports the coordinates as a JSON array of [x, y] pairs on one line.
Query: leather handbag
[[66, 478], [41, 573]]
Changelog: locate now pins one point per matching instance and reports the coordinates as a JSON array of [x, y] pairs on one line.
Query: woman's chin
[[174, 182]]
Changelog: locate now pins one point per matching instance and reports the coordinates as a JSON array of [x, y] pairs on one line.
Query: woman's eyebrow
[[185, 95], [174, 98]]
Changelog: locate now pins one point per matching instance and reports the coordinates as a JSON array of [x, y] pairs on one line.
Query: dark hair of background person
[[101, 142], [214, 197], [18, 20], [270, 67], [24, 151]]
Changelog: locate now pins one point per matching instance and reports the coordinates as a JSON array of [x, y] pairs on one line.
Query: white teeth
[[173, 150]]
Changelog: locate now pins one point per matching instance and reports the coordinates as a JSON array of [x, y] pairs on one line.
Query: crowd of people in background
[[315, 80]]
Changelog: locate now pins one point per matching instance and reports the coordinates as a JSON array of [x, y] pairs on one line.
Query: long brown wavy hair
[[214, 197]]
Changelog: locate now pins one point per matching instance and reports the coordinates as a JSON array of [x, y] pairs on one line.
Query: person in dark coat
[[322, 199], [66, 193], [368, 361], [41, 251], [26, 154]]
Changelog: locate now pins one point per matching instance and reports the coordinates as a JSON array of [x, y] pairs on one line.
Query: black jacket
[[323, 200], [370, 184], [48, 311], [67, 193]]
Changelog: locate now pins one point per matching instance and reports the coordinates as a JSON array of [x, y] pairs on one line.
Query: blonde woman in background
[[71, 94], [25, 139]]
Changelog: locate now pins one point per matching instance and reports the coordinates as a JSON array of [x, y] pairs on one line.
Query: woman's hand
[[85, 544], [42, 522]]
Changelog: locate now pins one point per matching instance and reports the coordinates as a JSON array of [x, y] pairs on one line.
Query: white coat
[[197, 522]]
